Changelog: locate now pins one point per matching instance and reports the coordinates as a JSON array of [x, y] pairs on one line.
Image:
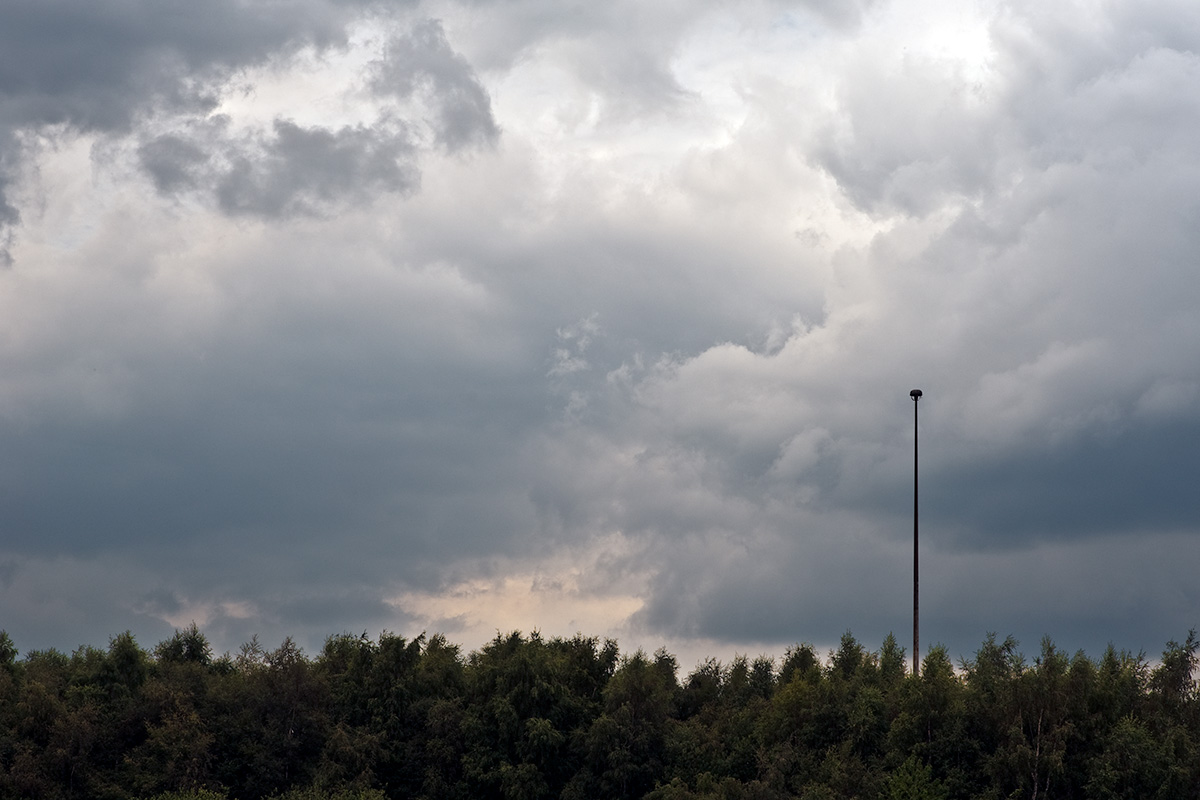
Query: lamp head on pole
[[915, 394]]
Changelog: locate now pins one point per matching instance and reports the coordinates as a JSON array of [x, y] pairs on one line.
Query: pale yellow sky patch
[[564, 593], [202, 613]]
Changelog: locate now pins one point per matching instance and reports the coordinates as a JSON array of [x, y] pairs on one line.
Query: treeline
[[529, 717]]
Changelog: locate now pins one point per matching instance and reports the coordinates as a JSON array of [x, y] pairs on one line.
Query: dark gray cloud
[[421, 61], [294, 170], [322, 445], [101, 67], [98, 66], [95, 66], [175, 163], [292, 423], [1105, 483]]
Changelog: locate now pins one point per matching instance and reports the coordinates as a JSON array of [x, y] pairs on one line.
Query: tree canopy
[[528, 717]]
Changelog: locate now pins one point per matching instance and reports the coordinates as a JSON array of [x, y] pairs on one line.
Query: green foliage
[[1132, 764], [533, 717], [312, 793], [126, 667], [188, 646], [891, 662], [914, 781], [191, 794], [799, 662], [8, 652], [1172, 684], [626, 746]]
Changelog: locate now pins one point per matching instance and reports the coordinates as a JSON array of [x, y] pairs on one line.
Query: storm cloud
[[468, 316]]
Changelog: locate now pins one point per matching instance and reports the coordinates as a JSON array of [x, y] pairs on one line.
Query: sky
[[471, 316]]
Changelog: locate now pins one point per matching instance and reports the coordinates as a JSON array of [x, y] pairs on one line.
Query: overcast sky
[[510, 314]]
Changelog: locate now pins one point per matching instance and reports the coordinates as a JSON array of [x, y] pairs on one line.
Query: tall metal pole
[[915, 394]]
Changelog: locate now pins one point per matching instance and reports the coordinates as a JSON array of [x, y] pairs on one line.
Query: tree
[[891, 663], [187, 646], [1173, 683], [1132, 764], [914, 781], [627, 744], [932, 723]]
